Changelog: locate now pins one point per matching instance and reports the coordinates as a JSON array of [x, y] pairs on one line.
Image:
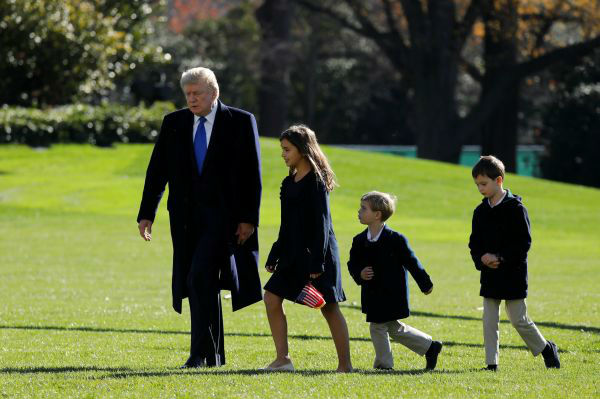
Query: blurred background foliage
[[571, 125], [438, 75], [57, 52], [101, 125]]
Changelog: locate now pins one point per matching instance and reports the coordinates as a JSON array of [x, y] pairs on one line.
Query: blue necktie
[[200, 144]]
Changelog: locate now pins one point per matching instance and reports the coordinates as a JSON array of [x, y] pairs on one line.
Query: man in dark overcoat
[[208, 154]]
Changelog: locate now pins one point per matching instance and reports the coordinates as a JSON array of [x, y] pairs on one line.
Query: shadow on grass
[[257, 372], [126, 372], [166, 332], [91, 329], [65, 369], [550, 324], [302, 337], [560, 326], [366, 339]]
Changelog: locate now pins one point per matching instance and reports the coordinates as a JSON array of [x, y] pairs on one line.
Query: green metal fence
[[528, 156]]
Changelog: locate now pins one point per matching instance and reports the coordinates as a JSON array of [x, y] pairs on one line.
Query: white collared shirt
[[370, 238], [208, 124]]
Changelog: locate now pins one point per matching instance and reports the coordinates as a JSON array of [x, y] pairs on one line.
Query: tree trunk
[[314, 44], [499, 132], [434, 72], [274, 17], [434, 114]]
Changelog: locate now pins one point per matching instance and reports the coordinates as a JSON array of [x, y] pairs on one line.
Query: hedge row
[[100, 125]]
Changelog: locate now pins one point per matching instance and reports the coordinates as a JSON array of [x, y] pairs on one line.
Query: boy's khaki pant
[[413, 339], [516, 310]]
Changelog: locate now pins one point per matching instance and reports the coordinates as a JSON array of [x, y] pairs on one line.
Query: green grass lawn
[[85, 302]]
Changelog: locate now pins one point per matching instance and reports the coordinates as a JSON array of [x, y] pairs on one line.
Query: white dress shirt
[[208, 124], [374, 239]]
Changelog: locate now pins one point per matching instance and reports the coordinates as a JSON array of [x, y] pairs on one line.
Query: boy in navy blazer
[[379, 261], [499, 242]]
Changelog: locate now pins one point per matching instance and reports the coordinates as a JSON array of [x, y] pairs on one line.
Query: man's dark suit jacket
[[386, 297], [230, 183]]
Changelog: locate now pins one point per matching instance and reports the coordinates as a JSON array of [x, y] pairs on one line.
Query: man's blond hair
[[200, 75]]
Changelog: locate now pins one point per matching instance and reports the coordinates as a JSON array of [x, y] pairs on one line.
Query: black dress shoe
[[194, 363], [550, 354], [432, 354], [491, 367]]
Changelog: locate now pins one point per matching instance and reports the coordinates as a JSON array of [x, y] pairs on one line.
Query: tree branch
[[472, 70], [544, 29], [544, 17], [511, 75], [392, 45], [391, 21], [361, 15], [333, 15], [569, 54], [416, 20], [466, 25], [547, 20]]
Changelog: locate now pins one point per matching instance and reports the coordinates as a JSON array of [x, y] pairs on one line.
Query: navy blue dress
[[306, 243]]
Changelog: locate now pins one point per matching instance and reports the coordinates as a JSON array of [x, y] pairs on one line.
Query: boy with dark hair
[[379, 260], [499, 242]]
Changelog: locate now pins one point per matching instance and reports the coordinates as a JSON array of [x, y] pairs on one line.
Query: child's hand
[[367, 273], [429, 292], [490, 260], [314, 275], [494, 265], [270, 268]]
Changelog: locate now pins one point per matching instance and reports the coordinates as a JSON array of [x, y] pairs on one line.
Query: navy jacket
[[386, 296], [230, 183], [503, 230], [306, 240]]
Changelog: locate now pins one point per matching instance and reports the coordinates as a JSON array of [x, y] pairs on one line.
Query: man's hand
[[367, 273], [490, 260], [244, 231], [145, 227], [270, 268]]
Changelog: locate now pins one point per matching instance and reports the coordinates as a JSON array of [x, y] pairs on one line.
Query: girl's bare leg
[[339, 333], [278, 324]]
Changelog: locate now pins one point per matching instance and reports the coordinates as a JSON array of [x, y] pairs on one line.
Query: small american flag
[[311, 297]]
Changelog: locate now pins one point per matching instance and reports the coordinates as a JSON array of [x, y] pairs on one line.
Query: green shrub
[[99, 125]]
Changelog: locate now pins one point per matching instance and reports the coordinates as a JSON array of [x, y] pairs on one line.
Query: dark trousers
[[203, 288]]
